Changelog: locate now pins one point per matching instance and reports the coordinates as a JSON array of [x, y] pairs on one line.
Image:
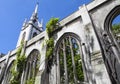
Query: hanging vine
[[31, 80], [50, 27], [18, 66]]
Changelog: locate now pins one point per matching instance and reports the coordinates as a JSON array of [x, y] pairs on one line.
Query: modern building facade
[[86, 50]]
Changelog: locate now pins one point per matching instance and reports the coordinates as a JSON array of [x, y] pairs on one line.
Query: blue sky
[[116, 20], [13, 13]]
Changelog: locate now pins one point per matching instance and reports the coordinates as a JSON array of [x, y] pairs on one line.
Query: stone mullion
[[30, 70], [25, 73], [65, 63], [73, 61], [34, 67], [58, 67], [22, 79]]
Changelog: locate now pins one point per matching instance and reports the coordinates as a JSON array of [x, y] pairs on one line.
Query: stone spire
[[24, 23], [30, 28], [35, 13], [36, 8], [34, 19]]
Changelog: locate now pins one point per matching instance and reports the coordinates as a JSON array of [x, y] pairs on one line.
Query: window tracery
[[70, 61], [32, 66], [8, 74], [111, 47]]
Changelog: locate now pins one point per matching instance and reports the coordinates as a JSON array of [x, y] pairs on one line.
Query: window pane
[[69, 57], [32, 67], [62, 72], [116, 28], [69, 65], [78, 61]]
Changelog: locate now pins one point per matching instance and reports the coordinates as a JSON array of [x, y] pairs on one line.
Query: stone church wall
[[83, 24]]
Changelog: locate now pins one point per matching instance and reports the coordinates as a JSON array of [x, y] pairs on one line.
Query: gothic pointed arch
[[111, 46], [8, 73], [108, 27], [32, 66], [69, 59]]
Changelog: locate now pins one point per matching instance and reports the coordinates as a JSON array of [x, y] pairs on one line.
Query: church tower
[[30, 28]]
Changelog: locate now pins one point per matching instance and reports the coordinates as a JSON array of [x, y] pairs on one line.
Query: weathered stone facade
[[89, 26]]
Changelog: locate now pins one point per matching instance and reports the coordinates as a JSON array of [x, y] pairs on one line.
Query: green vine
[[18, 66], [50, 27], [30, 81], [50, 47]]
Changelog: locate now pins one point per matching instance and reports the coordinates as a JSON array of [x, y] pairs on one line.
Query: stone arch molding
[[111, 15], [66, 34], [108, 23], [32, 50], [10, 64], [31, 71], [111, 49], [8, 74], [56, 57]]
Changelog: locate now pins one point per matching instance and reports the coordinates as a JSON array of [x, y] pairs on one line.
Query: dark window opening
[[34, 34]]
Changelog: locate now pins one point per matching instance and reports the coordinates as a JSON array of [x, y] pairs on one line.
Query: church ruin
[[86, 49]]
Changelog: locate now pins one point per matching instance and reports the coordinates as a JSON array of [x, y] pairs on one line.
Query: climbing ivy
[[34, 70], [67, 55], [30, 81], [50, 47], [50, 27], [18, 66]]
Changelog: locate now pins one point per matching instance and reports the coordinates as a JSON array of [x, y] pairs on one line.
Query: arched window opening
[[34, 34], [8, 74], [116, 28], [111, 44], [32, 64], [70, 62], [23, 36]]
